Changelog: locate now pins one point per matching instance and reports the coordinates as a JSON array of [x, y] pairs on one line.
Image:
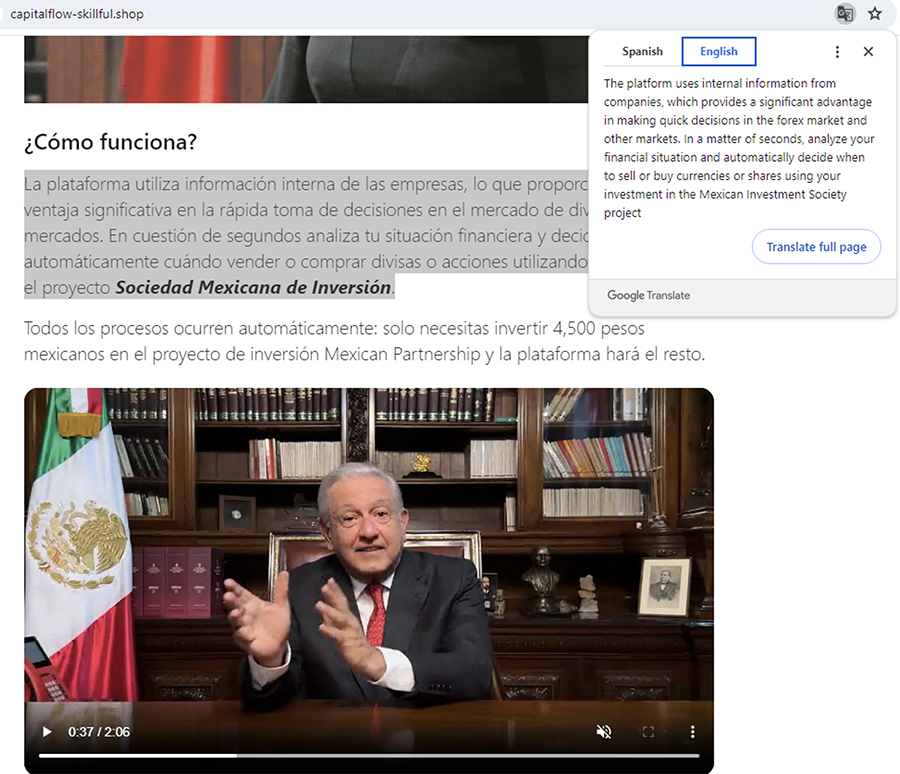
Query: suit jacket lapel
[[408, 593], [335, 569]]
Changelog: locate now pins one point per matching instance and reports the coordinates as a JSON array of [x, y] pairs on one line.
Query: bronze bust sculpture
[[542, 581]]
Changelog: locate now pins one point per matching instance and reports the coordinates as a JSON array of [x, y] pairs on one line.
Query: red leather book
[[207, 576], [154, 575], [177, 581], [137, 573]]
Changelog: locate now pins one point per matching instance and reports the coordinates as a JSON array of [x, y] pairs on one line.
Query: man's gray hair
[[351, 470]]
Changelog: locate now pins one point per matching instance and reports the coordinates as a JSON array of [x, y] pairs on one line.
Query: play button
[[47, 731]]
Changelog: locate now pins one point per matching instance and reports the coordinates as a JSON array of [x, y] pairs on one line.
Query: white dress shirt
[[399, 674]]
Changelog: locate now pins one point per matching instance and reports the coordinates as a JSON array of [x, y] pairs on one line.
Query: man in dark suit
[[370, 622], [664, 590], [431, 68]]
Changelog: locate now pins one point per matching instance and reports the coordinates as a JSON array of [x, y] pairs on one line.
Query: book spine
[[468, 404], [290, 404], [381, 404], [489, 404], [200, 583], [216, 606], [162, 407], [137, 588], [453, 407], [177, 581], [154, 575], [334, 403], [136, 463], [222, 403], [444, 404], [478, 407], [152, 403], [262, 401], [231, 402], [142, 403], [109, 396], [155, 464], [132, 403], [212, 405], [150, 472], [434, 403], [421, 404], [163, 456]]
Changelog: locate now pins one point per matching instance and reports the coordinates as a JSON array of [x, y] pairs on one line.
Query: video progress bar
[[367, 757]]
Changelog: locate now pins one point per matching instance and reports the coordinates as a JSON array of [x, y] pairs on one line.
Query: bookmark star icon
[[874, 14]]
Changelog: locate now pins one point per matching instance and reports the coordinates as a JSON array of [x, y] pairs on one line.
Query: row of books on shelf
[[581, 503], [267, 404], [145, 504], [436, 404], [141, 457], [177, 582], [494, 458], [579, 404], [627, 455], [270, 458], [137, 402]]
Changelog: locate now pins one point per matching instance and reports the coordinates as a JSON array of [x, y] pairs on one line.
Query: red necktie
[[375, 629]]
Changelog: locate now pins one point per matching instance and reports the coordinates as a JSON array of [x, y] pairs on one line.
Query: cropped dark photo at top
[[272, 68]]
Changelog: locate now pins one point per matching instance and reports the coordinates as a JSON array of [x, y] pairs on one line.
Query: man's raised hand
[[343, 627], [260, 628]]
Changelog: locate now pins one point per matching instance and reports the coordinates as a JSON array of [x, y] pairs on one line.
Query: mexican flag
[[78, 575]]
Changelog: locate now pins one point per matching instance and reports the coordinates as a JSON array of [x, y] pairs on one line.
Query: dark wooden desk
[[557, 728]]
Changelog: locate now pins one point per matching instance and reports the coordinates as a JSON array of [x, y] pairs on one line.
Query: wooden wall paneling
[[251, 53], [64, 68], [186, 679], [273, 51], [666, 438], [199, 660], [94, 72], [530, 493], [35, 413], [642, 684], [115, 51], [702, 662], [538, 679], [183, 449], [692, 434]]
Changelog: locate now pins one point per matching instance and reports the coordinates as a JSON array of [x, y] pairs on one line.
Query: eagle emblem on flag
[[76, 542]]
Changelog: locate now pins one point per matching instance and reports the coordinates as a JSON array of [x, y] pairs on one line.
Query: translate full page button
[[816, 246]]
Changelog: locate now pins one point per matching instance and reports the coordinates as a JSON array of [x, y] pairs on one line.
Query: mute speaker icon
[[604, 731]]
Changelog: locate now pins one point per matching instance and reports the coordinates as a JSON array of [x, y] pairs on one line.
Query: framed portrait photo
[[237, 514], [489, 587], [665, 586]]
